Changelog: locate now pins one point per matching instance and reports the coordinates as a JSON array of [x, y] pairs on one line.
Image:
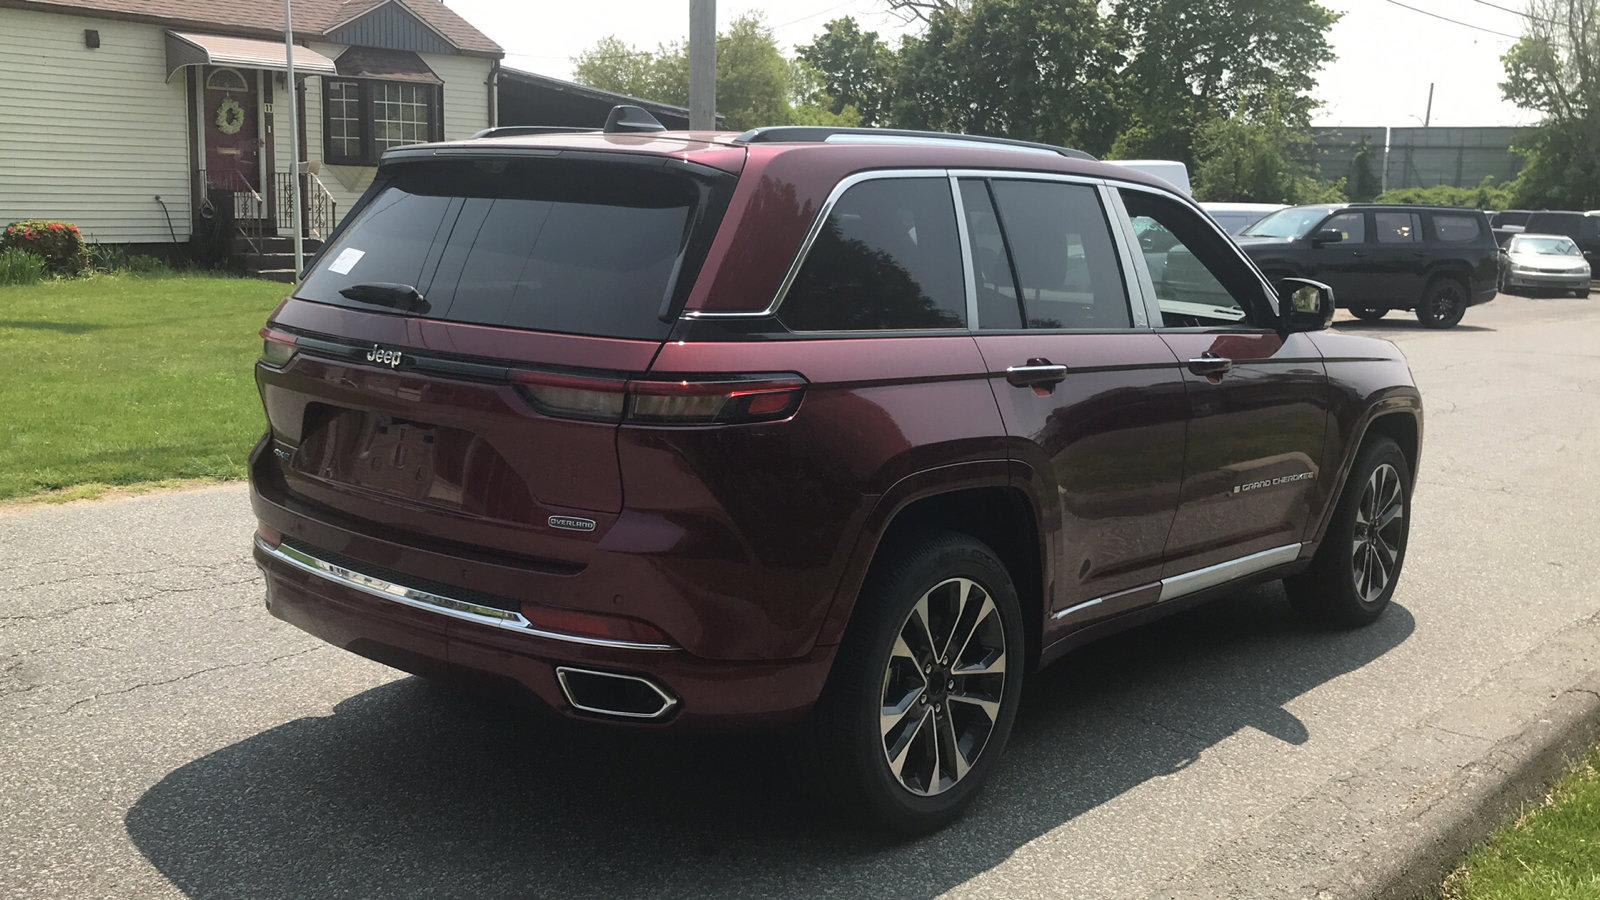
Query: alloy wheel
[[1375, 546], [943, 686]]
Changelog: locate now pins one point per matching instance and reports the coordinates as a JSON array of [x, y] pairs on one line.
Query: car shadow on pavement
[[411, 789], [1359, 327]]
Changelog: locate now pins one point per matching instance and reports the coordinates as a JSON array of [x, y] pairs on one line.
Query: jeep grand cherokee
[[842, 431]]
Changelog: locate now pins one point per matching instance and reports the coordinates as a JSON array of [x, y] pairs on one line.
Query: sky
[[1387, 54]]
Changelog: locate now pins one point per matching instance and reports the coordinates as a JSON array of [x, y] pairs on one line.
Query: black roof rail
[[517, 130], [817, 134]]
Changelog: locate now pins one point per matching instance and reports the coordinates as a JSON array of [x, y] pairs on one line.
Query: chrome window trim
[[435, 603], [1175, 586], [1135, 274], [845, 184], [968, 269]]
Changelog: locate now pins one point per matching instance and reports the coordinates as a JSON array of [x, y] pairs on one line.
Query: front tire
[[1444, 302], [925, 688], [1580, 292], [1354, 573]]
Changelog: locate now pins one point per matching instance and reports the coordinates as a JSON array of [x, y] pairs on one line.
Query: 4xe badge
[[382, 357]]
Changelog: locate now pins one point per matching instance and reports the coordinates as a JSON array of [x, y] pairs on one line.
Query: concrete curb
[[1400, 819]]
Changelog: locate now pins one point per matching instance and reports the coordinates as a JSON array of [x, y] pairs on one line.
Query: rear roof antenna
[[626, 119]]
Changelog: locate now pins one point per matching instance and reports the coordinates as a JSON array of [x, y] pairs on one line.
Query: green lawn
[[121, 380], [1552, 853]]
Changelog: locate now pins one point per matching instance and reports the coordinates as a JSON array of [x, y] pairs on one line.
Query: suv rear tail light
[[659, 402], [277, 347]]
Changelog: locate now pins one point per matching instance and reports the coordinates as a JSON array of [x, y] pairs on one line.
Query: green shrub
[[20, 266], [1487, 195], [108, 257], [60, 244]]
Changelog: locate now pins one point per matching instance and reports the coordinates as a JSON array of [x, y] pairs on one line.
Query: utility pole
[[702, 65], [1427, 115], [294, 136]]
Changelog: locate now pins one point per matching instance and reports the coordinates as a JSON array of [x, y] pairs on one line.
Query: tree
[[755, 83], [1555, 69], [1259, 157], [1193, 63], [1043, 70], [856, 68], [1365, 184]]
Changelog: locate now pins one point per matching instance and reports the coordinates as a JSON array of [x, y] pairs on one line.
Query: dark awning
[[390, 65], [190, 49]]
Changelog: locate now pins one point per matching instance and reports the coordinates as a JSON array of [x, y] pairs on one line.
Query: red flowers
[[59, 243]]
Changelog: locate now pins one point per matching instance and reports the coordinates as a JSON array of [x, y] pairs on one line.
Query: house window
[[364, 117], [226, 80], [344, 120]]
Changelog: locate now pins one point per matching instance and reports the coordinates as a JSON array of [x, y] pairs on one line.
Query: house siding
[[92, 136], [390, 26]]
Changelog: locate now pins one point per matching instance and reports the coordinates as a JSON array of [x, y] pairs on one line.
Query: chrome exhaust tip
[[611, 694]]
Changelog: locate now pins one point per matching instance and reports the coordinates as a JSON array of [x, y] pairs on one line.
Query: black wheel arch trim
[[1399, 402]]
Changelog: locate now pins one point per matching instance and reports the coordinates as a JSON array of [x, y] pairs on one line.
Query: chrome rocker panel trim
[[435, 603], [1175, 586]]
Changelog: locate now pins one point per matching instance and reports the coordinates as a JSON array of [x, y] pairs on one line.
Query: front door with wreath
[[232, 129]]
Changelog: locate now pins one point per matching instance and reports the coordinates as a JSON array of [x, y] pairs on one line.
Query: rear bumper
[[413, 631]]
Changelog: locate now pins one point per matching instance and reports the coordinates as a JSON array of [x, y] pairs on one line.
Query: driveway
[[161, 735]]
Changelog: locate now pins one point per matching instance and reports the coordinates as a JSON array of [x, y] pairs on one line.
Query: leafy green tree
[[1192, 63], [1259, 157], [661, 75], [755, 83], [1365, 184], [1043, 70], [856, 69], [1555, 69], [812, 104]]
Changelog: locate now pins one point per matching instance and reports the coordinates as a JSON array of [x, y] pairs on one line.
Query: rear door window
[[1397, 227], [538, 244], [887, 258], [1452, 228], [1061, 249]]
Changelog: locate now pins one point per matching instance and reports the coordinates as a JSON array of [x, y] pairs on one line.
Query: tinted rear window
[[886, 258], [1456, 228], [541, 244]]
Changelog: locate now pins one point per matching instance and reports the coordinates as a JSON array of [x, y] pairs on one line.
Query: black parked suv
[[1435, 260]]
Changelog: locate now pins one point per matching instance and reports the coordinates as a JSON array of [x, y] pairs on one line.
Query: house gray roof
[[592, 93], [263, 18]]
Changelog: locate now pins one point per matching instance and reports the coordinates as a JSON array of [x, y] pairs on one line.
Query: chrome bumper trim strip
[[434, 603]]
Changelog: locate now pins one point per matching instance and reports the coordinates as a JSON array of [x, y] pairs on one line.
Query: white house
[[142, 120]]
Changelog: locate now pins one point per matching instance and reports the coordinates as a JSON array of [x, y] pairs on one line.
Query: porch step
[[276, 259], [286, 276]]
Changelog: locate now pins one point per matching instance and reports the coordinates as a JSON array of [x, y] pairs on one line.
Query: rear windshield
[[543, 244]]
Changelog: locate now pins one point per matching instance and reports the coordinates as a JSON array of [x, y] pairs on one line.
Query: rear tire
[[1368, 315], [883, 733], [1353, 575], [1443, 303], [1580, 292]]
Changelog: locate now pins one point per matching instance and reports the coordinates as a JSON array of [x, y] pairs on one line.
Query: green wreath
[[230, 116]]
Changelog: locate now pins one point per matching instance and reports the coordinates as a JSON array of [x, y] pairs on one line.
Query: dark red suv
[[835, 430]]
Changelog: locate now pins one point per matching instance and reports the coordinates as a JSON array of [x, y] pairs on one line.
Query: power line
[[813, 15], [1516, 12], [1514, 37]]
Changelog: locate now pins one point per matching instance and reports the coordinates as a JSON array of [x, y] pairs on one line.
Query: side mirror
[[1304, 305], [1326, 236]]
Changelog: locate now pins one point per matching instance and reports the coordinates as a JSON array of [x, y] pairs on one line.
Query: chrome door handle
[[1212, 366], [1036, 374]]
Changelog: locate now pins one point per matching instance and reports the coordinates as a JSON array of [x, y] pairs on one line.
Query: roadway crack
[[185, 677]]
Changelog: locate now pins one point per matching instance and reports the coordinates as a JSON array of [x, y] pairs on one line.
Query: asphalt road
[[160, 734]]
